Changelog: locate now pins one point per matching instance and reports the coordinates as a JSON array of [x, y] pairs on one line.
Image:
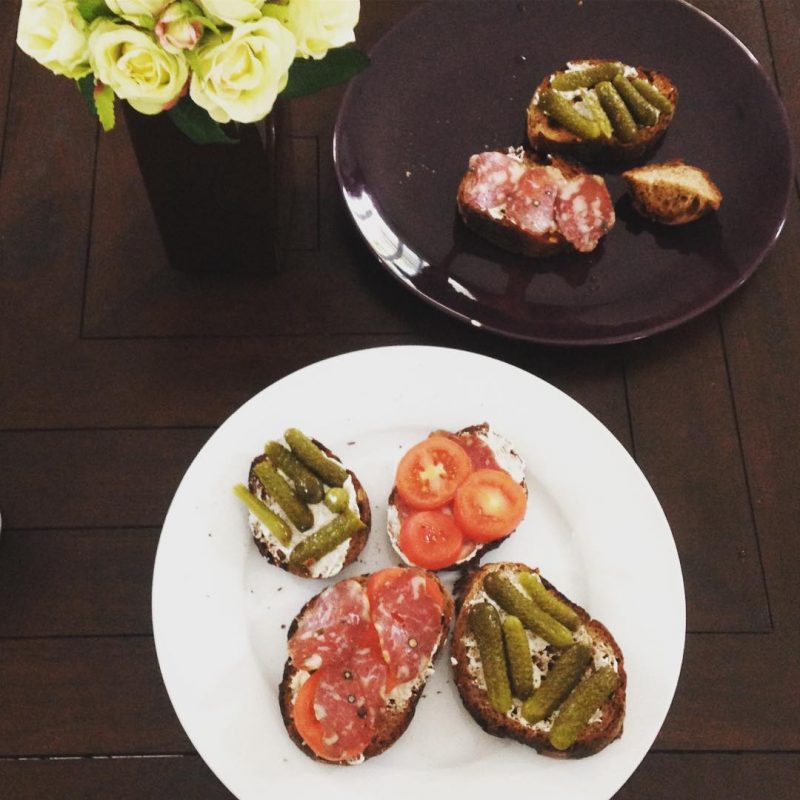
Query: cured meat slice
[[491, 179], [338, 622], [408, 621], [584, 211], [346, 703], [532, 205]]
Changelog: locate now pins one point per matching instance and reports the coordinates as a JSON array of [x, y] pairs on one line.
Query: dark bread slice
[[673, 192], [275, 555], [481, 429], [504, 233], [597, 736], [395, 718], [547, 136]]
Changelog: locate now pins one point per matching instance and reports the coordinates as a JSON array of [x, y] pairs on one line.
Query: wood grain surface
[[115, 370]]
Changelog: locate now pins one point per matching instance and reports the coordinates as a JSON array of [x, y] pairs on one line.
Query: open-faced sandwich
[[456, 495], [360, 653], [531, 665], [534, 206], [308, 513], [599, 110]]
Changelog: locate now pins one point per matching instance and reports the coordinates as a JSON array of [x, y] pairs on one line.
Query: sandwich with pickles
[[308, 513], [600, 110], [533, 666]]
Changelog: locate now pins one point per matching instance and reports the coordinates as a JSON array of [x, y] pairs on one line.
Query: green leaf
[[92, 9], [86, 88], [104, 103], [307, 76], [195, 123]]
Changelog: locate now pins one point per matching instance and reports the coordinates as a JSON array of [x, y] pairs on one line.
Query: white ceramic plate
[[593, 525]]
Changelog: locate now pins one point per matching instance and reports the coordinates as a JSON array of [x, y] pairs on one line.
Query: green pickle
[[484, 622], [327, 538], [621, 119], [518, 654], [588, 76], [561, 679], [652, 95], [642, 111], [329, 471], [337, 499], [512, 601], [578, 708], [306, 484], [600, 117], [296, 510], [548, 602], [563, 112], [273, 523]]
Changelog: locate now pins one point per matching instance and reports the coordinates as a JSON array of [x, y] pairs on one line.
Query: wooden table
[[116, 369]]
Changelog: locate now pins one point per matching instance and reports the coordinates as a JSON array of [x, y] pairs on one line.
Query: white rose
[[317, 25], [177, 29], [55, 34], [238, 74], [233, 12], [133, 64], [137, 11]]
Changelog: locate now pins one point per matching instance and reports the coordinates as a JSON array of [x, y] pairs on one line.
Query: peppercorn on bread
[[600, 110], [568, 700]]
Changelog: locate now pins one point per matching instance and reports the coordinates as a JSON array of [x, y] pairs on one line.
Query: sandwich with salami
[[360, 653], [456, 495], [533, 666]]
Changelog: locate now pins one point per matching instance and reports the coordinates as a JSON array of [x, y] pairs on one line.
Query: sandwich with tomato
[[456, 495], [360, 653]]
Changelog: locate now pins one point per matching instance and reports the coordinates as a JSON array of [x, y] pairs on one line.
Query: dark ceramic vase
[[219, 207]]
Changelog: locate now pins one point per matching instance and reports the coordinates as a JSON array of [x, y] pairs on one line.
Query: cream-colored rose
[[177, 29], [317, 25], [233, 12], [138, 12], [55, 34], [238, 74], [133, 64]]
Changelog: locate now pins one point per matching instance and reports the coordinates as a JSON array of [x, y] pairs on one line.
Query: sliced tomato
[[489, 505], [383, 578], [431, 471], [305, 720], [431, 539]]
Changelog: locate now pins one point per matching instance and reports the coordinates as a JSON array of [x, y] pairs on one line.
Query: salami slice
[[338, 622], [532, 206], [584, 211], [492, 178], [346, 703], [408, 622]]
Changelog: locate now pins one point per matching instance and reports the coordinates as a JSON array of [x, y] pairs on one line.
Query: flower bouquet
[[204, 62]]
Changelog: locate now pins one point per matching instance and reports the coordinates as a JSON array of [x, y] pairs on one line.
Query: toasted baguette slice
[[547, 136], [672, 193], [469, 675], [506, 457], [400, 705], [277, 554], [500, 230]]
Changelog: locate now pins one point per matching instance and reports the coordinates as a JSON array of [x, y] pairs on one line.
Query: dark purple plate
[[454, 79]]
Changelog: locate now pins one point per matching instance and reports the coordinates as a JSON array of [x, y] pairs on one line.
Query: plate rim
[[593, 341]]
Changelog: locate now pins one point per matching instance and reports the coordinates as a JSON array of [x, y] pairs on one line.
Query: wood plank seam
[[249, 337], [745, 470]]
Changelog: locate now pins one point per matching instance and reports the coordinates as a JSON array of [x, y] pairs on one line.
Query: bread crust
[[395, 718], [671, 205], [547, 136], [482, 549], [357, 541], [475, 699]]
